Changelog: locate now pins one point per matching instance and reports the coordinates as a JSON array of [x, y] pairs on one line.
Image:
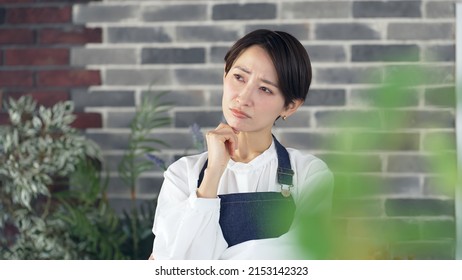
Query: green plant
[[140, 157], [37, 148], [151, 114], [356, 232], [86, 212]]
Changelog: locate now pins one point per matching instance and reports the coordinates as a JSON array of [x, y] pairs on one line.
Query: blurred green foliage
[[355, 231]]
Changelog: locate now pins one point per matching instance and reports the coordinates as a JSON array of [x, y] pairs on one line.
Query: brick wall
[[104, 55], [36, 39]]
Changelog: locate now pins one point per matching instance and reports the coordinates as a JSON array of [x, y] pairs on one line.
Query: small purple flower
[[198, 137], [157, 161]]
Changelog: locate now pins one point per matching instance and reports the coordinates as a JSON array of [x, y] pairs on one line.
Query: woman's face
[[251, 98]]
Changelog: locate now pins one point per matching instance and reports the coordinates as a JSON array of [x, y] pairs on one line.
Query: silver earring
[[284, 118]]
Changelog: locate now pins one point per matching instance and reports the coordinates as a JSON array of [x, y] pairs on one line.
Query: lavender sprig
[[198, 137], [157, 161]]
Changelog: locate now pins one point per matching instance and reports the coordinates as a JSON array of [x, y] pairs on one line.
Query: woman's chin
[[237, 125]]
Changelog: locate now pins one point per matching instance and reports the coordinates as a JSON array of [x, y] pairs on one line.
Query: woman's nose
[[245, 96]]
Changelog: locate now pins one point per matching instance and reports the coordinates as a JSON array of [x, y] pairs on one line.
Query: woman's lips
[[239, 114]]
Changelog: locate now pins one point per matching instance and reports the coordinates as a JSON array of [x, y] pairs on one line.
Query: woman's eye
[[266, 90], [238, 77]]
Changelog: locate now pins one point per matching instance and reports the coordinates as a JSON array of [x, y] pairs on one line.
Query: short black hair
[[290, 59]]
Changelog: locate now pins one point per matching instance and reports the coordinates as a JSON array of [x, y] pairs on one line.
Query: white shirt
[[187, 227]]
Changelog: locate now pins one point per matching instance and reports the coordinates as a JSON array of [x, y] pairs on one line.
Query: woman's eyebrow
[[250, 72]]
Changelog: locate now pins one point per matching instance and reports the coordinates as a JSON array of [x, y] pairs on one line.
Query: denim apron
[[258, 215]]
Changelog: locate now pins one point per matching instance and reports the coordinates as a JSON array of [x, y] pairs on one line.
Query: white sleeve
[[185, 226]]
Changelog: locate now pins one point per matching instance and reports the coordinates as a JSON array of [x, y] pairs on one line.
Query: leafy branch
[[151, 114], [36, 222]]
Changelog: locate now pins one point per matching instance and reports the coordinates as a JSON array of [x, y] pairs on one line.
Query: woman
[[238, 199]]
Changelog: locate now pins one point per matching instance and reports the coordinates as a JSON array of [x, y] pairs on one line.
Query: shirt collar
[[262, 159]]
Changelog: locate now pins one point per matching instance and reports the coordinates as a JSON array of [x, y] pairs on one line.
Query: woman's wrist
[[209, 185]]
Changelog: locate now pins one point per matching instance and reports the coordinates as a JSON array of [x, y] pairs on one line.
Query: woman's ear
[[292, 107]]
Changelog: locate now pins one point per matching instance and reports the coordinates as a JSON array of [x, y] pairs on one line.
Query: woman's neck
[[251, 145]]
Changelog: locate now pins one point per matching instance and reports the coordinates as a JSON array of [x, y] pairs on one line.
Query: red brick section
[[16, 36], [36, 38], [4, 119], [37, 57], [68, 78], [16, 78], [73, 35], [16, 1], [82, 121], [45, 98], [38, 15], [87, 120]]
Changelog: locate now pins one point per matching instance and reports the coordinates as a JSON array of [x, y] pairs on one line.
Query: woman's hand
[[221, 144]]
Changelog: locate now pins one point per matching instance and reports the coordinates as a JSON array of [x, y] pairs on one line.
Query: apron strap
[[284, 172]]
